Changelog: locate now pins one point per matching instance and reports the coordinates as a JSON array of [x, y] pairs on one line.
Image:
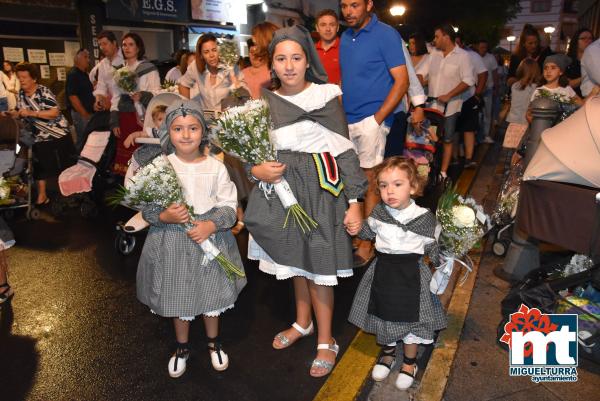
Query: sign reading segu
[[139, 10], [542, 346]]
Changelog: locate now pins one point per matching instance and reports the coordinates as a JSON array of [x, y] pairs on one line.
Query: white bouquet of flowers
[[228, 53], [463, 224], [4, 189], [157, 184], [243, 131], [127, 81], [169, 87]]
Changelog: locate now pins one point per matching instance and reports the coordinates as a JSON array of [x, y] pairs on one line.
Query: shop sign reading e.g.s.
[[138, 10]]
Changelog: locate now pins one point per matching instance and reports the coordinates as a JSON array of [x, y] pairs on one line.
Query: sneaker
[[487, 139], [178, 362], [454, 162]]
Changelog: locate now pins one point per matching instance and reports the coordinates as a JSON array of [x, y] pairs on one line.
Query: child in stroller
[[421, 146], [150, 149]]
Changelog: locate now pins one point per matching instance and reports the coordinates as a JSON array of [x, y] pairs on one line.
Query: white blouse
[[205, 184], [392, 239], [149, 82], [309, 136]]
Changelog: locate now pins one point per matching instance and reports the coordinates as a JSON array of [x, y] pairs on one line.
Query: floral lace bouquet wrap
[[157, 184], [169, 87], [127, 81], [243, 131], [508, 198], [463, 224]]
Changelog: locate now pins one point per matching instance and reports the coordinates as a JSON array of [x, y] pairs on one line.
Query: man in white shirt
[[469, 120], [590, 68], [488, 95], [113, 58], [450, 73]]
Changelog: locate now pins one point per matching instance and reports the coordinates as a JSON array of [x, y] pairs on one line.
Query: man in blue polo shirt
[[374, 81]]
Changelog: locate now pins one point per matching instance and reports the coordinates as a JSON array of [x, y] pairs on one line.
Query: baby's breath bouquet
[[157, 184], [4, 191], [169, 87], [243, 131], [127, 81], [228, 53], [463, 224]]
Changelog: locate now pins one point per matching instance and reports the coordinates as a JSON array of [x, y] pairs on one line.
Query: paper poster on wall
[[61, 73], [71, 49], [45, 71], [57, 59], [211, 10], [13, 54], [37, 56]]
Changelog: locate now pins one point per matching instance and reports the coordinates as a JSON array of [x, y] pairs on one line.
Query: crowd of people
[[359, 93]]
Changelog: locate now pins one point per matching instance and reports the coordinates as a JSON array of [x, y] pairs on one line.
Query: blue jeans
[[3, 104]]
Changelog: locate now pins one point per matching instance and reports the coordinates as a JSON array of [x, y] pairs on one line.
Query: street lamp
[[397, 10], [510, 39], [549, 30], [455, 29]]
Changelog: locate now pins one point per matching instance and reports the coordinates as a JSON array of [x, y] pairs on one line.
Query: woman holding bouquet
[[215, 81], [126, 112], [175, 278], [310, 136]]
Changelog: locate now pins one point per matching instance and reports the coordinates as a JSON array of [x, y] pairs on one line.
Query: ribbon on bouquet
[[442, 274], [283, 191]]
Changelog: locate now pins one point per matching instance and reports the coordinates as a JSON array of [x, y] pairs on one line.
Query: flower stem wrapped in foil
[[157, 184], [243, 131]]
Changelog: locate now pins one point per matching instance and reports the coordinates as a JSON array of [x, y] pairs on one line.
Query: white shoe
[[178, 362], [487, 139], [405, 379], [218, 357], [136, 223], [382, 369]]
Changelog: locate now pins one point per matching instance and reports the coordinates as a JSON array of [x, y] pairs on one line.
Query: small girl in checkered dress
[[174, 279], [393, 300]]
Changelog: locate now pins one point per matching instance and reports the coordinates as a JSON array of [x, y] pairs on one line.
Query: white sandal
[[406, 379], [286, 342], [218, 357], [321, 363]]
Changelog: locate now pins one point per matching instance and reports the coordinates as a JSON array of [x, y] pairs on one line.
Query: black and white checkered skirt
[[431, 313], [322, 255]]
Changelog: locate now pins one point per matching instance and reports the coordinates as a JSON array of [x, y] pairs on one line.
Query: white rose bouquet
[[463, 224], [157, 184], [127, 81], [243, 131]]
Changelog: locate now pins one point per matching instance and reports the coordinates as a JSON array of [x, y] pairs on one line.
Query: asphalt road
[[75, 330]]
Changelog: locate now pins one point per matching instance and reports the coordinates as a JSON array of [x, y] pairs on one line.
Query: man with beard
[[374, 81]]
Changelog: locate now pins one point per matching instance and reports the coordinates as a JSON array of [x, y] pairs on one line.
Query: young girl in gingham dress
[[393, 300], [173, 278]]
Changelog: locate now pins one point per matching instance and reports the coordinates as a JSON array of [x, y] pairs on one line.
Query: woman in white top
[[123, 117], [419, 56], [11, 83], [214, 80]]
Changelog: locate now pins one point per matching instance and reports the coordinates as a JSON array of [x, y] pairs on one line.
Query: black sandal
[[7, 294]]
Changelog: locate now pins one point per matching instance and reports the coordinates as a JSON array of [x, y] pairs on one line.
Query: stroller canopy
[[570, 151], [162, 99]]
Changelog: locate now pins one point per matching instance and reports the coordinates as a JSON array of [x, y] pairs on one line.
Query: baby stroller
[[425, 147], [16, 180], [83, 184], [125, 237]]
